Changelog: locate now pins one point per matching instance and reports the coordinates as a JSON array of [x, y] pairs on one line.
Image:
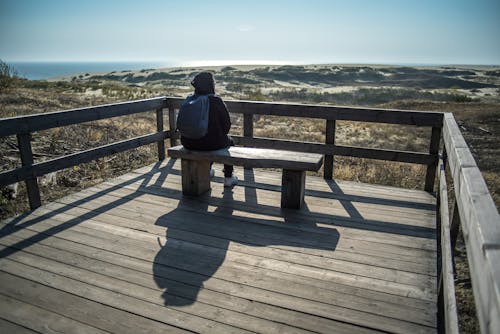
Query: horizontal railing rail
[[388, 116], [331, 114], [38, 122]]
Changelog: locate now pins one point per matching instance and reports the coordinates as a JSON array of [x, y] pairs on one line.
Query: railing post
[[248, 125], [159, 128], [430, 174], [24, 142], [329, 139], [172, 124]]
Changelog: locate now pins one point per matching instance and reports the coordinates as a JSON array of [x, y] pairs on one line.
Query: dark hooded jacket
[[219, 122]]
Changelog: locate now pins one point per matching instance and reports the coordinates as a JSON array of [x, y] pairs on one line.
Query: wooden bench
[[196, 168]]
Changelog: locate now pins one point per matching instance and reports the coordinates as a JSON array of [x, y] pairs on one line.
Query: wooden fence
[[475, 212], [23, 126], [474, 209]]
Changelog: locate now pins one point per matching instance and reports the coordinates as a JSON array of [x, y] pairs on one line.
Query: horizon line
[[218, 63]]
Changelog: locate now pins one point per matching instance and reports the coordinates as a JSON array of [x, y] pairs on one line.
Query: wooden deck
[[133, 256]]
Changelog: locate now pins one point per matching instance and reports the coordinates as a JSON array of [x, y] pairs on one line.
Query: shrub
[[8, 75]]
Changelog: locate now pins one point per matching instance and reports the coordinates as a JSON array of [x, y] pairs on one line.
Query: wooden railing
[[331, 114], [474, 209], [23, 126], [475, 212]]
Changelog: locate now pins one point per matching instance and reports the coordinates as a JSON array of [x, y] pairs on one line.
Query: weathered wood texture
[[447, 313], [329, 140], [32, 123], [480, 225], [430, 174], [132, 255], [195, 177], [42, 168], [172, 123], [248, 125], [159, 129], [331, 149], [292, 189], [24, 142], [253, 157], [389, 116]]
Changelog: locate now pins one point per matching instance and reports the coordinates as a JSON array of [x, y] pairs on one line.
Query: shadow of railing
[[199, 231], [21, 222]]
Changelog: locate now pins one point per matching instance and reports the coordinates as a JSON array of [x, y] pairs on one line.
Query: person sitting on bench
[[219, 125]]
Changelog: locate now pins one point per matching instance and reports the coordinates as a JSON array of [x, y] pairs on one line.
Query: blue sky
[[312, 31]]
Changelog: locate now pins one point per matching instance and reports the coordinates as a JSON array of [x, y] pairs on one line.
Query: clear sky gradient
[[269, 31]]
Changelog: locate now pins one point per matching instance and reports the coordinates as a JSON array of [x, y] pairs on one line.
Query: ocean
[[47, 70]]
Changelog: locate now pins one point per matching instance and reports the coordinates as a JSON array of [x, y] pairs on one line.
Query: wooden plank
[[160, 314], [458, 154], [329, 140], [335, 221], [377, 279], [71, 305], [479, 218], [482, 232], [204, 235], [336, 271], [358, 241], [12, 328], [172, 124], [151, 293], [400, 206], [214, 292], [430, 174], [449, 318], [159, 128], [372, 192], [251, 157], [37, 122], [295, 218], [24, 143], [330, 311], [248, 125], [70, 160], [40, 320], [292, 189], [386, 255], [389, 116], [329, 262], [331, 149]]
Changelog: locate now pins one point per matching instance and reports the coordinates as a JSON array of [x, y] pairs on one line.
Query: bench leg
[[292, 189], [195, 177]]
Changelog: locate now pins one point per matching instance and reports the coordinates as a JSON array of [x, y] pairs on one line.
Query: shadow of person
[[200, 230], [182, 265]]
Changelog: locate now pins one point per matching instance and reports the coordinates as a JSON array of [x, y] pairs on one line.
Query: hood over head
[[204, 83]]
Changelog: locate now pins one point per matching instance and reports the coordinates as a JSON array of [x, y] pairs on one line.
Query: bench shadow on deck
[[357, 258]]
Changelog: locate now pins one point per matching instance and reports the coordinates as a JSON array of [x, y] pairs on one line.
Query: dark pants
[[228, 169]]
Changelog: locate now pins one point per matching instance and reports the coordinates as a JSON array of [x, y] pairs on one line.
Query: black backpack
[[192, 121]]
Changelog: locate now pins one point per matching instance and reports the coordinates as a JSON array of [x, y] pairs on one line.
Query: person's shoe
[[212, 173], [230, 181]]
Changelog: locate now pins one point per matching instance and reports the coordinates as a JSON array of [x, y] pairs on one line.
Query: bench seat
[[196, 168]]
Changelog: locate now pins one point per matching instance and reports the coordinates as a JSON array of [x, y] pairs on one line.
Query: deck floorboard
[[133, 255]]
